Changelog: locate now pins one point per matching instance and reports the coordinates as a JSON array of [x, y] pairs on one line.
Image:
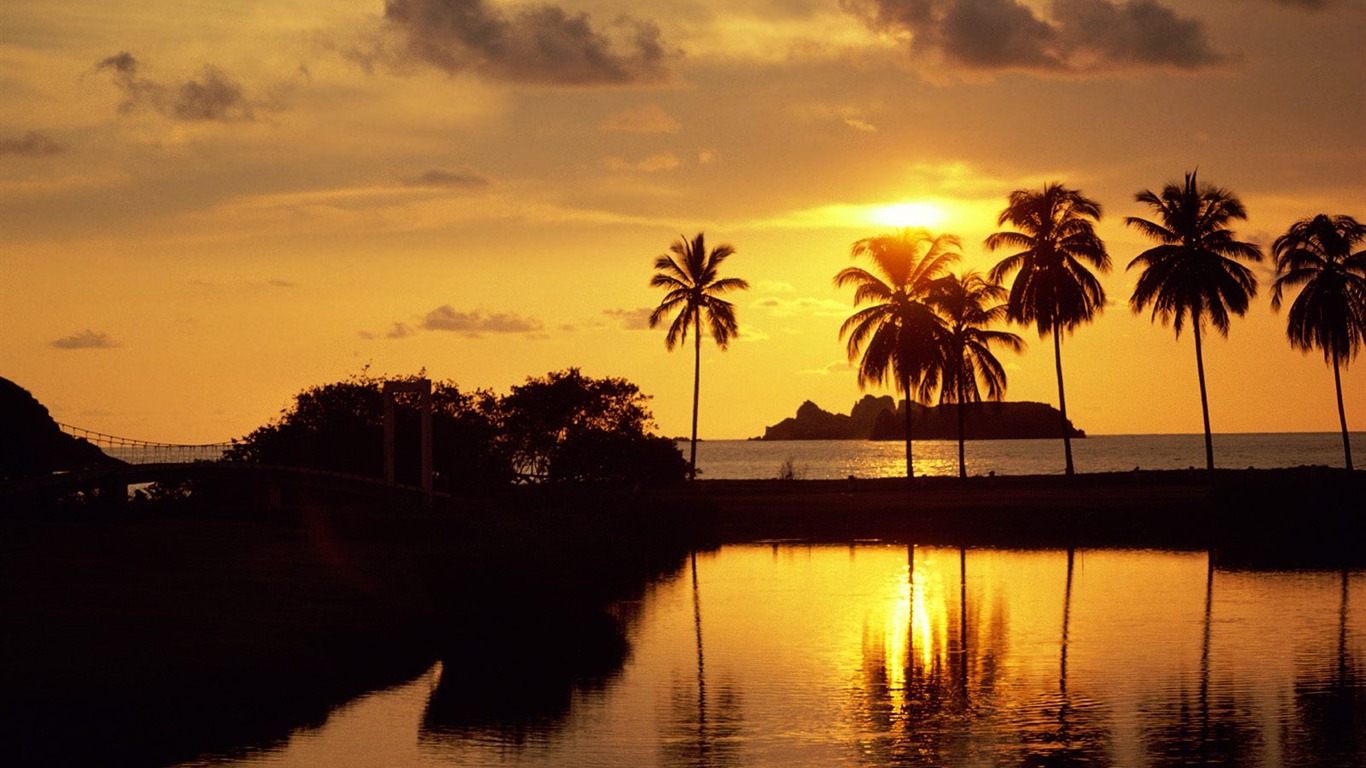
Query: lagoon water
[[882, 654], [838, 459]]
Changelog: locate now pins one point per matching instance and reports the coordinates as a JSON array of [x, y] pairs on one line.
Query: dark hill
[[882, 418], [31, 443]]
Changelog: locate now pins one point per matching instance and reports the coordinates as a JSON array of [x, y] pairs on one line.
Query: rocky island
[[882, 418]]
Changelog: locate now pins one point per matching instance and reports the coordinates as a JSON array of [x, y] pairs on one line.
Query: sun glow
[[917, 213]]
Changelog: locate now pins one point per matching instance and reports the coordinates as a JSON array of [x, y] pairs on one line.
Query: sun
[[917, 213]]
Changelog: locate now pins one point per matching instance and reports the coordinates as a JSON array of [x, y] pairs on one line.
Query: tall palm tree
[[1330, 311], [689, 273], [1194, 271], [898, 335], [1053, 289], [969, 304]]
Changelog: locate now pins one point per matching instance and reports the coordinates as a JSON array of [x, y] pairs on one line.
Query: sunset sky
[[207, 207]]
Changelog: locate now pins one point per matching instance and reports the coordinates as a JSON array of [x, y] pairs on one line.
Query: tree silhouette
[[1193, 271], [1053, 289], [689, 273], [969, 304], [898, 336], [1330, 310]]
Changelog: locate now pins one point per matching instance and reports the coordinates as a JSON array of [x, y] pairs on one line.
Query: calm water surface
[[882, 654], [838, 459]]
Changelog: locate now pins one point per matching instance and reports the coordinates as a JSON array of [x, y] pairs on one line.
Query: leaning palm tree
[[898, 336], [689, 273], [969, 304], [1053, 289], [1330, 311], [1194, 271]]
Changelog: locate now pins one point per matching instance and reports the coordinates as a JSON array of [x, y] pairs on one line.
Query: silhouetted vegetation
[[33, 444], [1053, 289], [562, 427], [695, 290], [1330, 311], [1194, 272], [967, 304], [898, 338]]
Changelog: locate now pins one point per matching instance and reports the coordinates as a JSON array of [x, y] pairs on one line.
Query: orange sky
[[205, 209]]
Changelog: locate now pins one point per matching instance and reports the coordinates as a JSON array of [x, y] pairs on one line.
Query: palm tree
[[1053, 289], [1194, 271], [968, 304], [690, 275], [1330, 312], [898, 335]]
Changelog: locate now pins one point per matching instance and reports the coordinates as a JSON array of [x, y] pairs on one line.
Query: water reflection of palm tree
[[1212, 729], [704, 731], [1075, 734], [1330, 705]]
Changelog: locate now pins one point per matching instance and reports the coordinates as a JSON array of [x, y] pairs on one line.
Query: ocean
[[838, 459]]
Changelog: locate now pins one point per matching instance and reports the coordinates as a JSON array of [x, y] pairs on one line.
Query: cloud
[[445, 318], [537, 44], [1075, 36], [647, 119], [860, 125], [400, 331], [631, 319], [802, 306], [87, 339], [438, 177], [31, 144], [210, 96], [663, 161], [836, 367]]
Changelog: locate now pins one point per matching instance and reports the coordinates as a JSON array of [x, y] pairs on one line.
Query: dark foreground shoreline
[[150, 635]]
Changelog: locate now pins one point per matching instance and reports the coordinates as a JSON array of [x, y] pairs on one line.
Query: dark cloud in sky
[[541, 44], [438, 177], [211, 95], [87, 339], [445, 318], [31, 144], [1075, 36]]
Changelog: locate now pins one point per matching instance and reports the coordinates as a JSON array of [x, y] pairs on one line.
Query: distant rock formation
[[882, 418], [31, 443]]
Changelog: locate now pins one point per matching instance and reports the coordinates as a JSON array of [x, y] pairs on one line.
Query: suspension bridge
[[133, 451], [137, 462]]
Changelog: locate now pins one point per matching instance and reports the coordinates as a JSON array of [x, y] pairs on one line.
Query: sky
[[206, 208]]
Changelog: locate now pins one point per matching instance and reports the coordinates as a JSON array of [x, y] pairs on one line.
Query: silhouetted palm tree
[[689, 273], [1053, 288], [899, 334], [969, 304], [1194, 272], [1330, 312]]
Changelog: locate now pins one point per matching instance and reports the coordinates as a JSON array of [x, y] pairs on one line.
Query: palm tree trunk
[[696, 384], [962, 464], [906, 387], [1342, 415], [1062, 400], [1204, 401]]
